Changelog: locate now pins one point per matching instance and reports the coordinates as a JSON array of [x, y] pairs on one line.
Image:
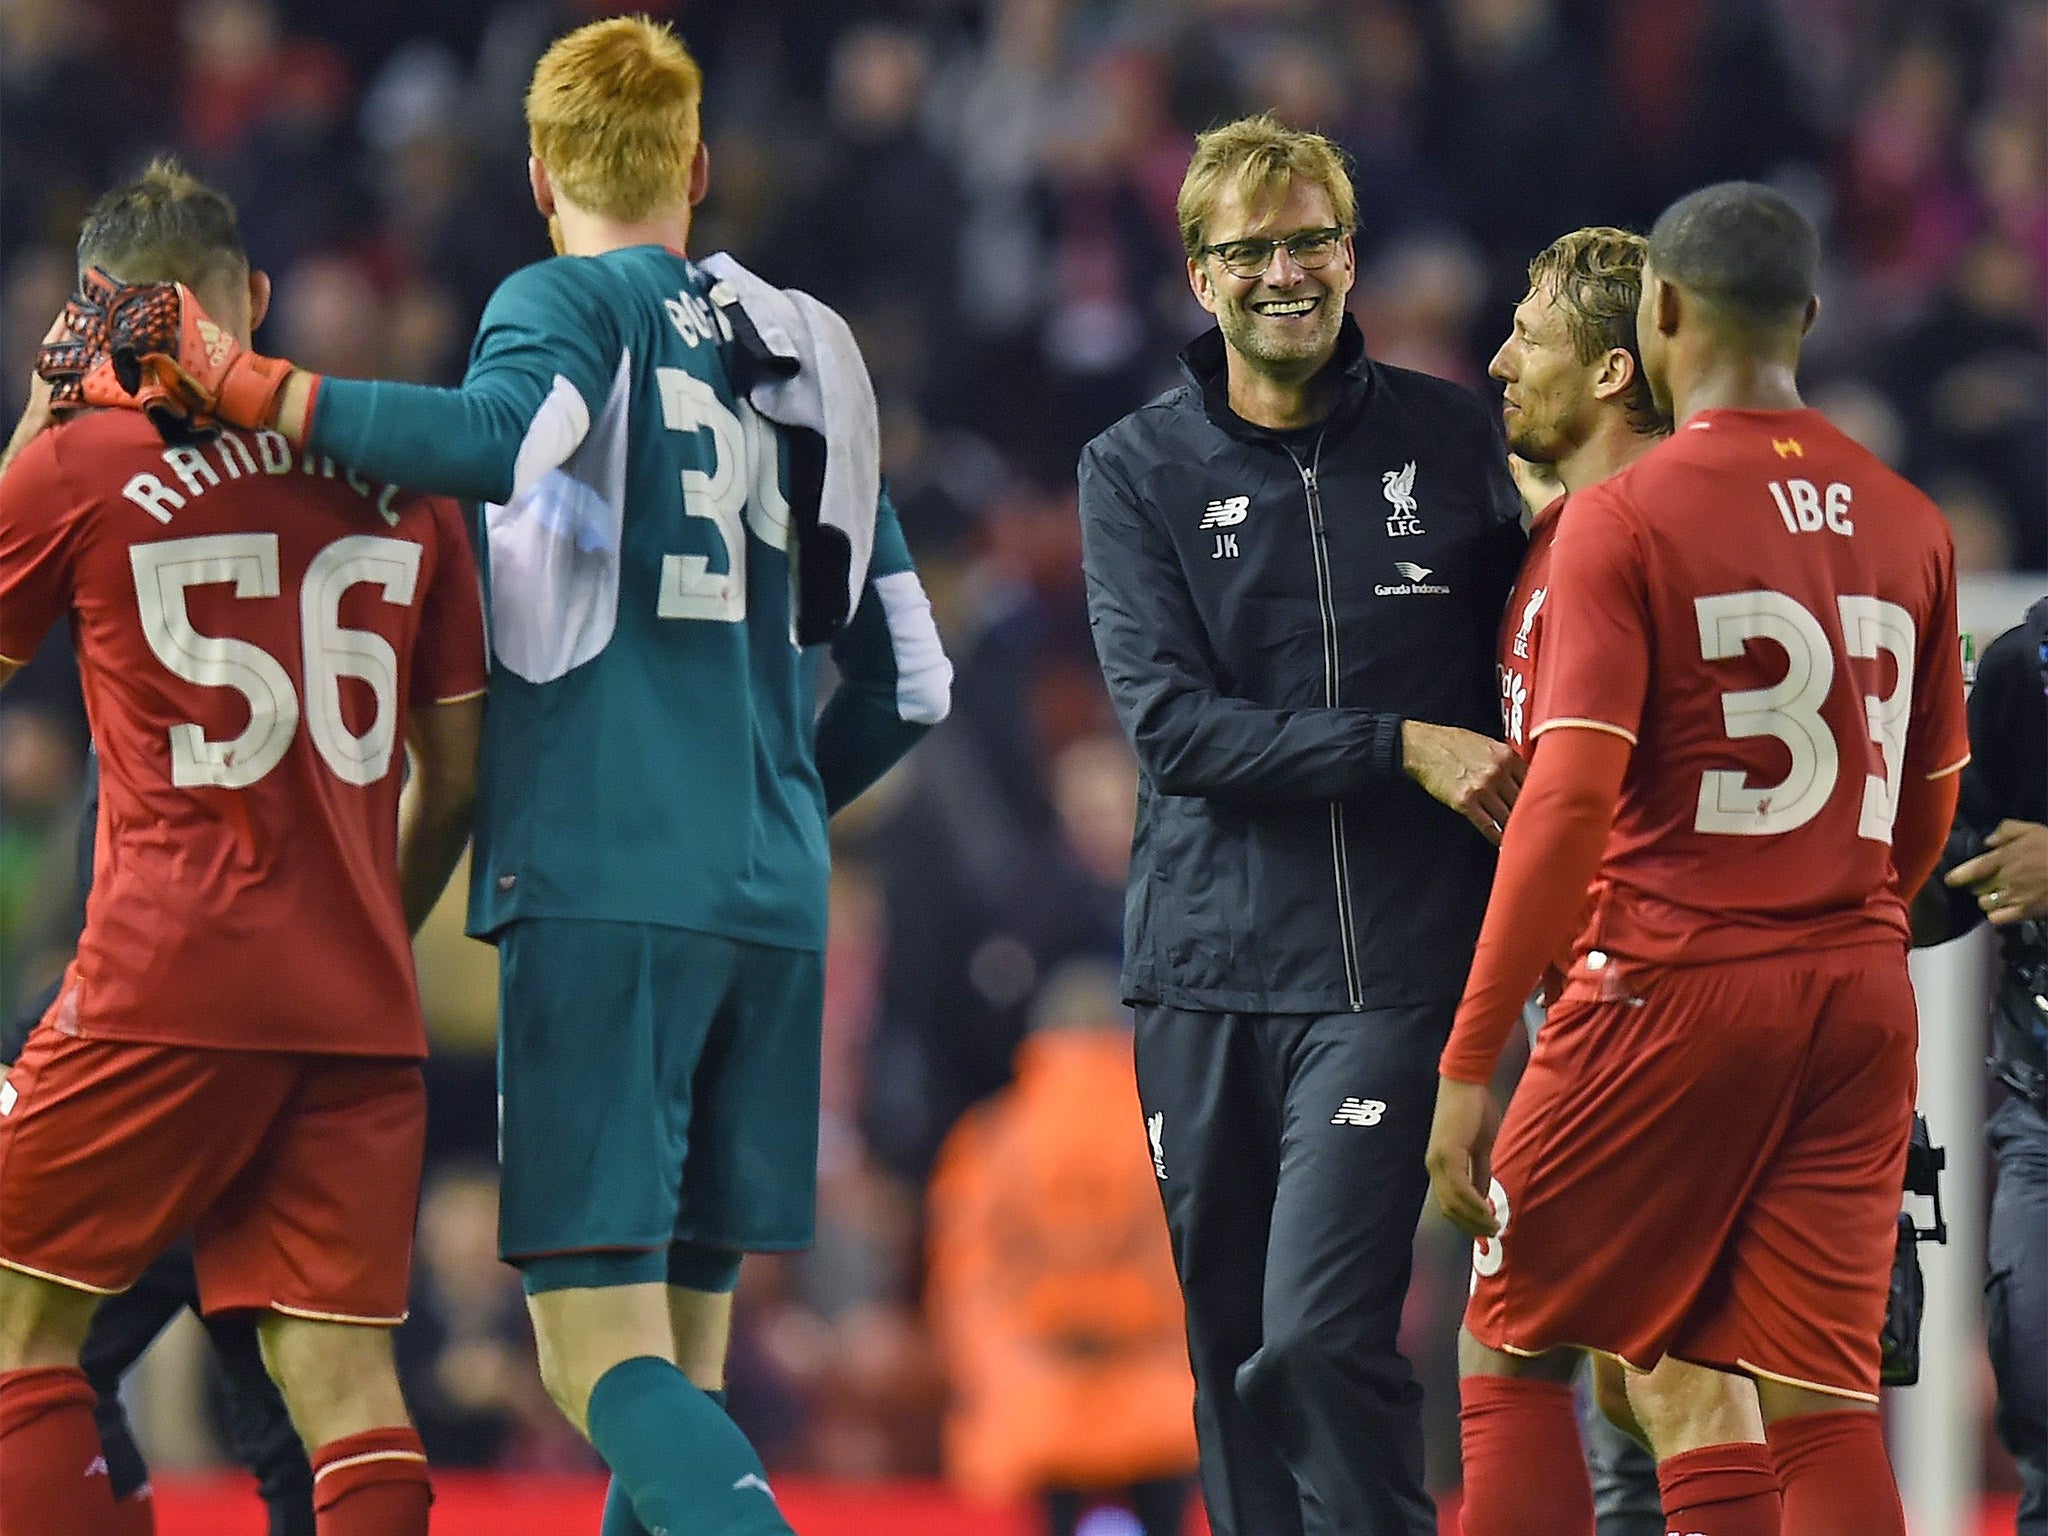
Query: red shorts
[[298, 1175], [1708, 1163]]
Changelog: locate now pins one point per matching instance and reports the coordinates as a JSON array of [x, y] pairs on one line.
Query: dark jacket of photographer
[[2007, 779]]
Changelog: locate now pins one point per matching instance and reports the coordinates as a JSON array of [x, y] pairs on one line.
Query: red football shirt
[[1521, 631], [251, 627], [1769, 614]]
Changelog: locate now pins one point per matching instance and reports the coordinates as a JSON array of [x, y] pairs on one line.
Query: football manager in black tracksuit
[[1296, 565]]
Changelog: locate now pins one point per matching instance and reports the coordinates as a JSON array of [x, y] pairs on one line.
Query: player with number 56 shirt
[[252, 625], [253, 629]]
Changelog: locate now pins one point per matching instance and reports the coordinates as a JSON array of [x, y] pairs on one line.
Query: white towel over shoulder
[[830, 393]]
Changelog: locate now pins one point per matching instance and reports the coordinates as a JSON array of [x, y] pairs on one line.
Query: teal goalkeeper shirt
[[653, 751]]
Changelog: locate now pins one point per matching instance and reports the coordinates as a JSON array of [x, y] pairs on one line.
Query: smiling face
[[1549, 392], [1283, 322]]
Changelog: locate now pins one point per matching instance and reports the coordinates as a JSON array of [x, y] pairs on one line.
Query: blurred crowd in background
[[986, 189]]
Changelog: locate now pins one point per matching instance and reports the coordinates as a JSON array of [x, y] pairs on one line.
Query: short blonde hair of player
[[1256, 158], [613, 114], [1596, 276]]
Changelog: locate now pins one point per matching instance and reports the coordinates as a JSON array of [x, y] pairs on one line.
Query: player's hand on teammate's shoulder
[[2010, 877], [1474, 775], [1460, 1155], [1538, 483]]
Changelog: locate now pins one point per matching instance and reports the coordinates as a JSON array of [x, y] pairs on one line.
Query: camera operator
[[1996, 868]]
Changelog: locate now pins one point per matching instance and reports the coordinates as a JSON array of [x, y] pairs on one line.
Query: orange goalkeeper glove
[[77, 344], [181, 368]]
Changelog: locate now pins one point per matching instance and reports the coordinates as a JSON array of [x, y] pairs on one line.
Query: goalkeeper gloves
[[180, 367], [77, 344]]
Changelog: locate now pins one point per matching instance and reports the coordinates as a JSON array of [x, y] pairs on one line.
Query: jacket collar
[[1202, 363]]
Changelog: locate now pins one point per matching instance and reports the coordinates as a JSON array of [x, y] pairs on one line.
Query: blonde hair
[[1596, 276], [613, 114], [1256, 157]]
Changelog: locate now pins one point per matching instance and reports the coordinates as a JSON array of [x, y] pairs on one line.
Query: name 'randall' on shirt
[[195, 470]]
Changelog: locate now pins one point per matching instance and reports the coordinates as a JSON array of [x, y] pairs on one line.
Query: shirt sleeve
[[1938, 727], [546, 354], [38, 522], [449, 662], [895, 682], [1596, 623]]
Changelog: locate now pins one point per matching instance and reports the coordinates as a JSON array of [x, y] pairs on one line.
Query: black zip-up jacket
[[1268, 608]]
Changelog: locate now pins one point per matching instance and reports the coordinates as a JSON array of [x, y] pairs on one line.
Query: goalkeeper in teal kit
[[676, 467]]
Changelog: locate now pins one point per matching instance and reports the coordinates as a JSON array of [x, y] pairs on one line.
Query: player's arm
[[1588, 708], [541, 368], [895, 682], [34, 417], [434, 814], [1548, 858]]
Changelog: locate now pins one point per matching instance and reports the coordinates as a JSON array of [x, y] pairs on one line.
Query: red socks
[[371, 1484], [53, 1477], [1525, 1473], [1836, 1476], [1721, 1490]]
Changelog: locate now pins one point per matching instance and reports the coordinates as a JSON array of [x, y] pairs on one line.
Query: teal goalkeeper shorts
[[656, 1085]]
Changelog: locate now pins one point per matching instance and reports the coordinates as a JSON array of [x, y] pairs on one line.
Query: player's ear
[[543, 189], [259, 298], [1198, 280], [1665, 305], [700, 173], [1617, 375], [1812, 314]]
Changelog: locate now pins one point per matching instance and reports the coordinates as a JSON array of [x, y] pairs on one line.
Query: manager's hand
[[1460, 1155], [2010, 878], [1474, 775], [1538, 483]]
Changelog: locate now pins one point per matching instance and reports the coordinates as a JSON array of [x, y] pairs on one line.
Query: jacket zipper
[[1340, 860]]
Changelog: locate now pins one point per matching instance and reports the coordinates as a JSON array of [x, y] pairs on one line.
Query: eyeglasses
[[1311, 249]]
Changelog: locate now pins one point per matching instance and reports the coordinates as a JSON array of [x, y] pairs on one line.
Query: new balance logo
[[1155, 1127], [97, 1467], [1360, 1112], [1227, 513]]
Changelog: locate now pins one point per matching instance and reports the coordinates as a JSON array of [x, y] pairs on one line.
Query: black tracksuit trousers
[[259, 1429], [1289, 1154], [2016, 1299]]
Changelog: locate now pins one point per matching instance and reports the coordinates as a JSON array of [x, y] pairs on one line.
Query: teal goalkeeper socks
[[619, 1519], [682, 1466]]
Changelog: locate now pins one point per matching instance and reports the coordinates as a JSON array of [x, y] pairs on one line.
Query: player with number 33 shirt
[[1747, 883]]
